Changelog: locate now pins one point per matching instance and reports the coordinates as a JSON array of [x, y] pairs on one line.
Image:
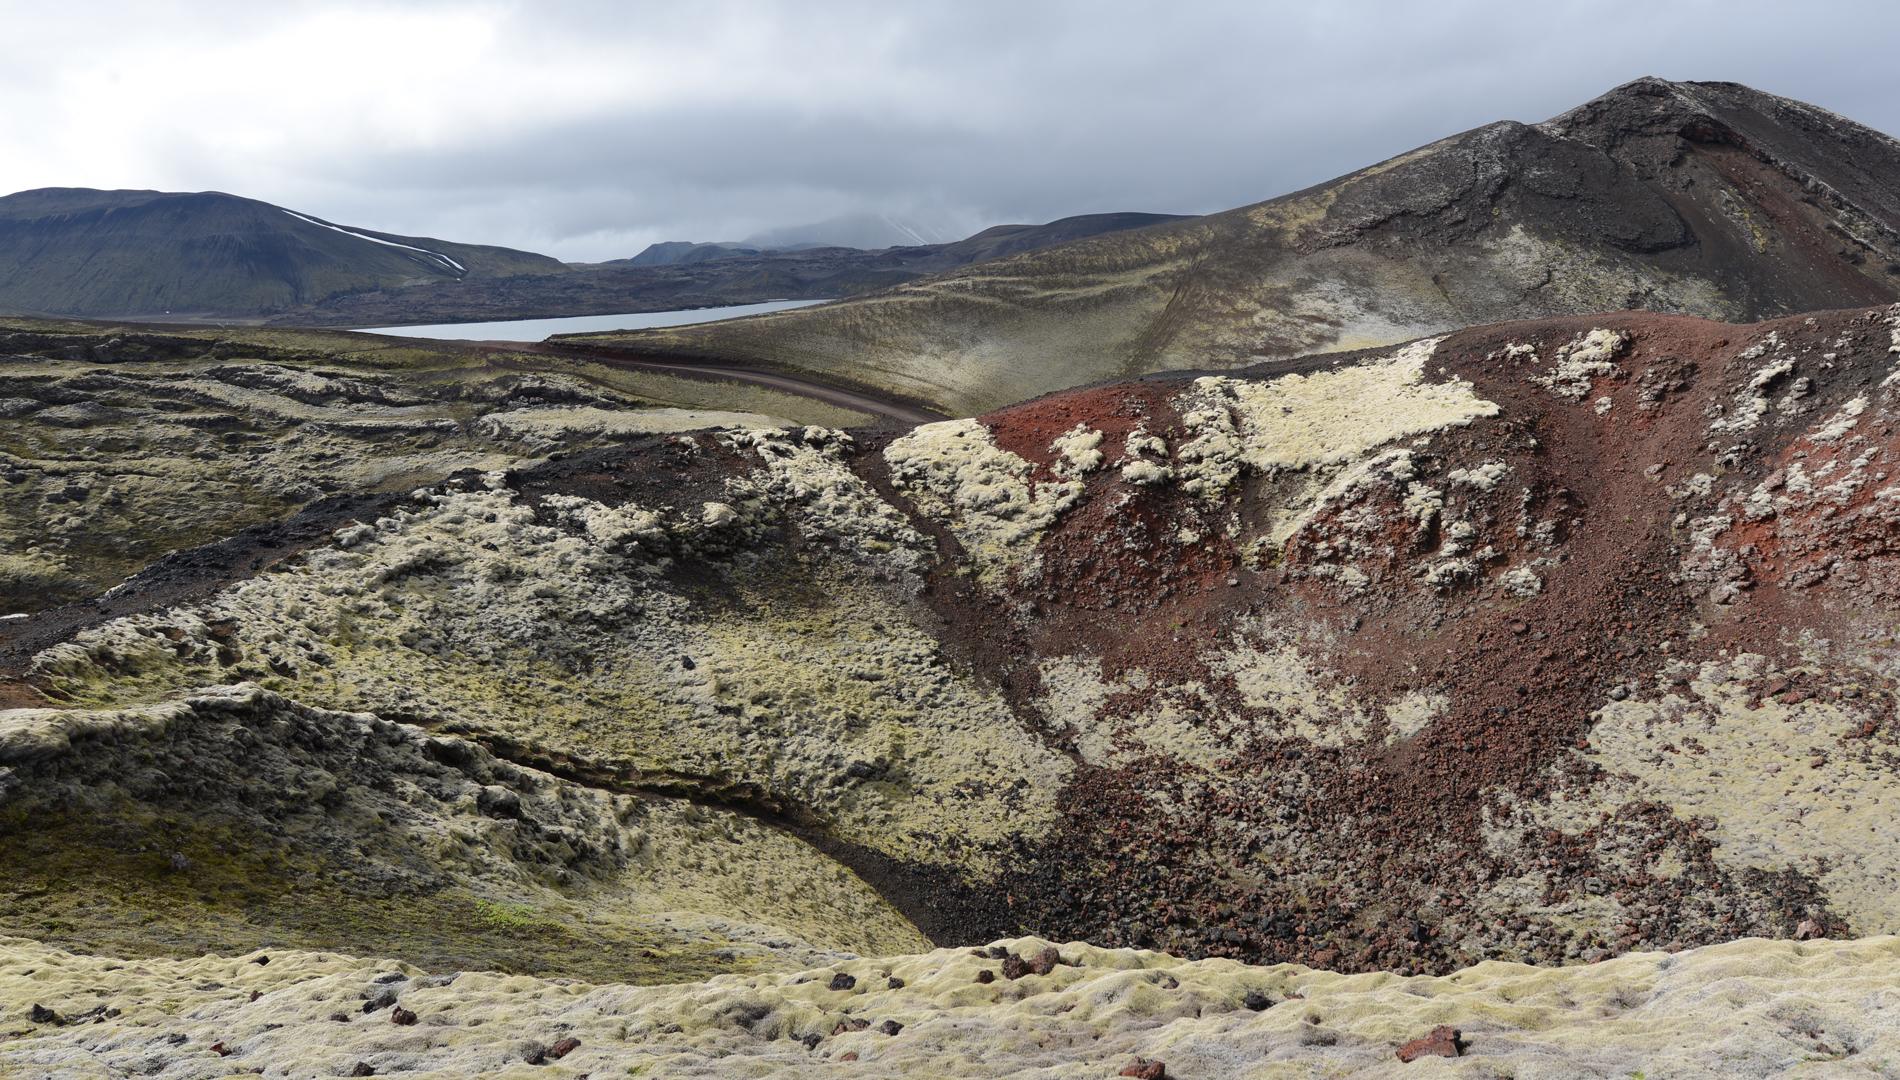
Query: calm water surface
[[536, 329]]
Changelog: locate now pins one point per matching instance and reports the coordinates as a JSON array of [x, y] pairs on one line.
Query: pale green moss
[[1745, 1009]]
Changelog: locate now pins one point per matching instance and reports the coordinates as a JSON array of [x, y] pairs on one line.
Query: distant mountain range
[[994, 242], [1705, 198], [208, 255], [866, 231], [129, 254], [688, 275], [674, 252]]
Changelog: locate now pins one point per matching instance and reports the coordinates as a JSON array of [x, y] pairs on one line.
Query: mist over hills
[[994, 242], [867, 231]]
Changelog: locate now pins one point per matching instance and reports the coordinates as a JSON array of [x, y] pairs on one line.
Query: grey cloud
[[964, 113]]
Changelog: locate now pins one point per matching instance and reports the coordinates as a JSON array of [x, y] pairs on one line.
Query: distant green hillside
[[77, 251]]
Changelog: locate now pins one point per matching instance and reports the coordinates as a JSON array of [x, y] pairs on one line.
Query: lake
[[537, 329]]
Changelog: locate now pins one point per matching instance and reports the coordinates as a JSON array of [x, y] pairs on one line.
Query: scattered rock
[[890, 1027], [380, 1000], [563, 1048], [1143, 1069], [1442, 1041], [986, 976], [842, 981], [402, 1016], [363, 1068], [1045, 961]]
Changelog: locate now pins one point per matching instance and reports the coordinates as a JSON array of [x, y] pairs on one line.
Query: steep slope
[[697, 275], [1705, 198], [1545, 641], [120, 254]]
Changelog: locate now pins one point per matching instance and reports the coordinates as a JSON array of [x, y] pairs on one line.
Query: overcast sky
[[587, 130]]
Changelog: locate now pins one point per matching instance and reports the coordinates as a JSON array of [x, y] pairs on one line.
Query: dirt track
[[879, 405]]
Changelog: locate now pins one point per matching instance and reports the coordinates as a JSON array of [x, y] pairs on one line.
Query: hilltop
[[1709, 199], [131, 254]]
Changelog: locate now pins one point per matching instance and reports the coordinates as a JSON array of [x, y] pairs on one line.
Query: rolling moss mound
[[1061, 1012]]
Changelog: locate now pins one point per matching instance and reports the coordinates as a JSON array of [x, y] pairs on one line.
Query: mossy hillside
[[954, 472], [107, 883], [765, 676], [121, 446], [681, 392], [237, 816]]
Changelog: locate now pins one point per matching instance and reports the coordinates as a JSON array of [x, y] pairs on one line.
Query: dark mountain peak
[[131, 253], [1702, 112]]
